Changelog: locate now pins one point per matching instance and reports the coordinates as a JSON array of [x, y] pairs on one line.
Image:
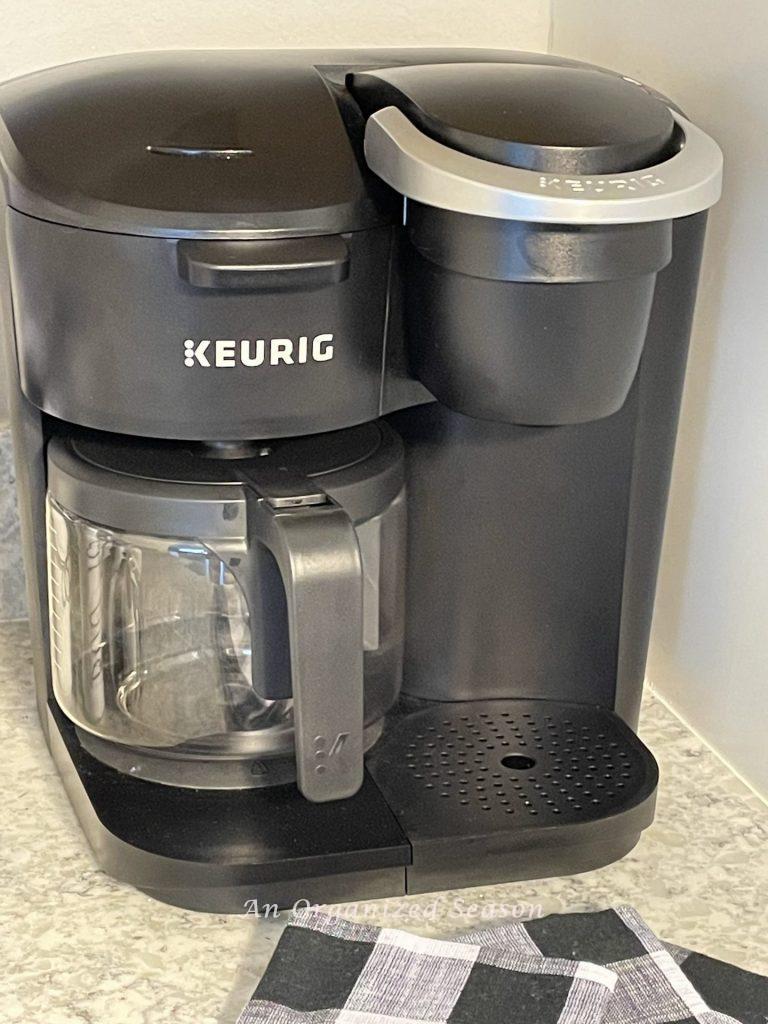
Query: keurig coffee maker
[[344, 391]]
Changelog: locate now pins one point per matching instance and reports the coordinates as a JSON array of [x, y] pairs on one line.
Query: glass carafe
[[190, 626]]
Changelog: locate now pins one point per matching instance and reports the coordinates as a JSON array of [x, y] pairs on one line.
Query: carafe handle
[[315, 546]]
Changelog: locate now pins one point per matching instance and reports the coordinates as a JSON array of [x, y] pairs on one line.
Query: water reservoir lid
[[196, 142], [560, 120]]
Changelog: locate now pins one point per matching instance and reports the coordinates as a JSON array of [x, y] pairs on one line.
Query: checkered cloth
[[656, 983], [600, 968]]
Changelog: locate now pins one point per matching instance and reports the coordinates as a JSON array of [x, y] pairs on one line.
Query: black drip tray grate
[[468, 769]]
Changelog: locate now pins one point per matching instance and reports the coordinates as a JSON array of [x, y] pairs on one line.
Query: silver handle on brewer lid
[[315, 547], [432, 173]]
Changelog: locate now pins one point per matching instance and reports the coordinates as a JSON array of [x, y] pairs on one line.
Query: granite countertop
[[77, 947]]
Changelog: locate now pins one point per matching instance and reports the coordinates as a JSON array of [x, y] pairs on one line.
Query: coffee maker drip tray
[[454, 795], [504, 790]]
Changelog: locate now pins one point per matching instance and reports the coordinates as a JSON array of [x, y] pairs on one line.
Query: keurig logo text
[[258, 351]]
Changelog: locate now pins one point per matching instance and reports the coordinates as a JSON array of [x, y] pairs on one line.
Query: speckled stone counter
[[77, 947]]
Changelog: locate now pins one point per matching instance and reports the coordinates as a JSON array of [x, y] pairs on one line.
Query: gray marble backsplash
[[13, 603]]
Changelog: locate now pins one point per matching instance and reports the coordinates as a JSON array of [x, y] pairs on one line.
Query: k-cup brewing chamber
[[535, 229]]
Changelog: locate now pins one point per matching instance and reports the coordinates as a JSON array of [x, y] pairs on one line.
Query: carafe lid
[[187, 489], [193, 462]]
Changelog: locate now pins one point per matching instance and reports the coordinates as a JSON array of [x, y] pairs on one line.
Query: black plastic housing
[[533, 551], [73, 289], [189, 226], [533, 371]]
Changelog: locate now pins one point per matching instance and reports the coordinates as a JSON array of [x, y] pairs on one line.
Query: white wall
[[709, 648], [39, 33]]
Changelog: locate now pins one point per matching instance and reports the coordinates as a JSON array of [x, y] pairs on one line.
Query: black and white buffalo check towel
[[329, 971], [596, 968], [656, 983]]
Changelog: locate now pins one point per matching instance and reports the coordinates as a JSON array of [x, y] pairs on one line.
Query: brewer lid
[[553, 119], [535, 143]]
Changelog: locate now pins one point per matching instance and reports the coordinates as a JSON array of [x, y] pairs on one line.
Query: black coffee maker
[[344, 393]]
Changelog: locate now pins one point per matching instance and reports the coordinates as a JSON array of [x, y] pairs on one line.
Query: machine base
[[455, 795]]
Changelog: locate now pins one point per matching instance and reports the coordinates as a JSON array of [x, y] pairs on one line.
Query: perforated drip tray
[[506, 790]]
